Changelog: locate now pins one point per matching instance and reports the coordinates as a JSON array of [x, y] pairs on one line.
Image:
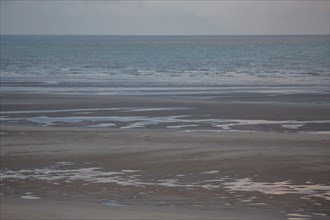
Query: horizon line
[[309, 34], [161, 0]]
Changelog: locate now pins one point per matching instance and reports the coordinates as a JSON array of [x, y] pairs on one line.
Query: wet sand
[[159, 173], [19, 209], [248, 106], [168, 169], [213, 113]]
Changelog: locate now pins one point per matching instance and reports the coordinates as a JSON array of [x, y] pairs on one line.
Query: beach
[[165, 127], [150, 167]]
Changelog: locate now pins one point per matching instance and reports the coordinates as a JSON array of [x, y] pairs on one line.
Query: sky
[[180, 17]]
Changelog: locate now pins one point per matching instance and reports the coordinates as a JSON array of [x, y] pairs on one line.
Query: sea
[[219, 71], [139, 65]]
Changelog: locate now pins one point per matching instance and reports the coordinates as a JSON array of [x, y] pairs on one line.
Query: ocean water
[[164, 64]]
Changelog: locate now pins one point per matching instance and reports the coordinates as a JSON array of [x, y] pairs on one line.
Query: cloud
[[160, 17]]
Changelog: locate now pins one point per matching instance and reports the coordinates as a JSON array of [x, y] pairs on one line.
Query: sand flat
[[164, 169], [19, 209]]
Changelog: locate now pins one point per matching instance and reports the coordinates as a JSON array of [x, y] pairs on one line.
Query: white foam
[[319, 132], [82, 113], [259, 204], [90, 110], [292, 126], [90, 175], [182, 121], [297, 216], [130, 171], [157, 109], [65, 163], [209, 186], [103, 125], [210, 172], [112, 203], [64, 172], [181, 126], [30, 197], [60, 110], [168, 182], [249, 199], [320, 214], [279, 188]]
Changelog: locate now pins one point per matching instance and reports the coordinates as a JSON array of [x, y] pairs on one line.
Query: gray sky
[[165, 17]]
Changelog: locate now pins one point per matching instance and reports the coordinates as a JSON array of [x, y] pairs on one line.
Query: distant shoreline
[[174, 35]]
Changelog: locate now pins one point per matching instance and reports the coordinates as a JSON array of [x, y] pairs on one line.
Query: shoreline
[[182, 113], [161, 158]]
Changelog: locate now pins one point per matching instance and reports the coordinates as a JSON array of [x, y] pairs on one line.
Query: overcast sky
[[165, 17]]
